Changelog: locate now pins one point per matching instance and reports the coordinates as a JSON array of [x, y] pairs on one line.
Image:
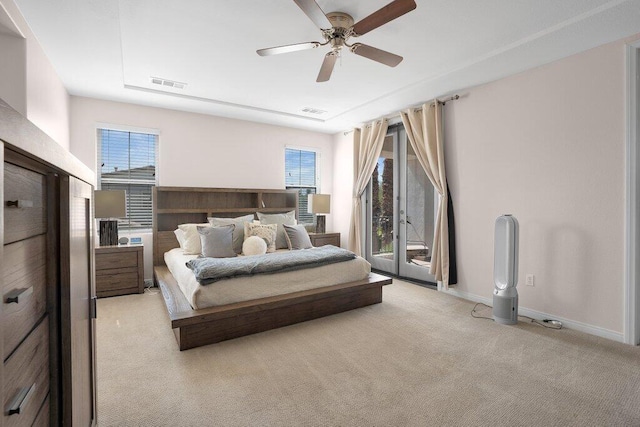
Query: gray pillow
[[217, 242], [297, 237], [238, 232], [288, 218]]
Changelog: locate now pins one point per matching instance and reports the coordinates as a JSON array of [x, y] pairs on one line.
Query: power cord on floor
[[473, 310], [546, 323], [149, 290]]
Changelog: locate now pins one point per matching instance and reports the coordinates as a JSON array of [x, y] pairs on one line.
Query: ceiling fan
[[338, 27]]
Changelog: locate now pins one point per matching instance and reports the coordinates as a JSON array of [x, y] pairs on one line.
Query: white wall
[[197, 150], [548, 146], [43, 98], [13, 85], [47, 98]]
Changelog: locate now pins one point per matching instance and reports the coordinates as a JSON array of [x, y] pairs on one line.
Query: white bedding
[[246, 288]]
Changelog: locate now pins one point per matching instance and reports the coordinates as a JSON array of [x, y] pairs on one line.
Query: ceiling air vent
[[169, 83], [315, 111]]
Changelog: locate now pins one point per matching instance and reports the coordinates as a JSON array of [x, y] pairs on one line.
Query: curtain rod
[[396, 115]]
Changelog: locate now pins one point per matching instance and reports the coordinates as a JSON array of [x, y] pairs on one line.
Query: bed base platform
[[195, 328]]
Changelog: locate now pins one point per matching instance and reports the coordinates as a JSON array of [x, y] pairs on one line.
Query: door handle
[[93, 308], [401, 221]]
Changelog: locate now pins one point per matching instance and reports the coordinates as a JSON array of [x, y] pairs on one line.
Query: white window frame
[[126, 128], [318, 152]]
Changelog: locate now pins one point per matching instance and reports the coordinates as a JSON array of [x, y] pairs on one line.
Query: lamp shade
[[110, 203], [319, 203]]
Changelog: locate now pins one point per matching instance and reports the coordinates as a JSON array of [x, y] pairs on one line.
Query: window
[[301, 172], [128, 162]]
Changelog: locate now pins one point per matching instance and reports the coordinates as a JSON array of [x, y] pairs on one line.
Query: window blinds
[[128, 162], [300, 173]]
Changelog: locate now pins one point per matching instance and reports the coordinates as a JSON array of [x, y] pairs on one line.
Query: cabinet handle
[[22, 398], [19, 203], [14, 295]]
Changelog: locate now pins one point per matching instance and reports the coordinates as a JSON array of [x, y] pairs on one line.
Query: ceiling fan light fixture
[[340, 28], [340, 20]]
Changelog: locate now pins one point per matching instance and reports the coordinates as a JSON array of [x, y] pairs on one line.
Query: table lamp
[[109, 204], [319, 204]]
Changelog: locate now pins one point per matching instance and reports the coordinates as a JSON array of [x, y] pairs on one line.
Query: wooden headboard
[[183, 205]]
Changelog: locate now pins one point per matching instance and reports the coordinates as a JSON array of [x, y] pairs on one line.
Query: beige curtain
[[424, 129], [367, 145]]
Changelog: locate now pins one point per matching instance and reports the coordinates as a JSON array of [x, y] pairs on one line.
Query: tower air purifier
[[505, 271]]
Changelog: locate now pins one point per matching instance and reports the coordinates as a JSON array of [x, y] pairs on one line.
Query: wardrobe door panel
[[79, 342]]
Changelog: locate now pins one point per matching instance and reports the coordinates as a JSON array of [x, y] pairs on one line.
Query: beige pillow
[[191, 244], [265, 231]]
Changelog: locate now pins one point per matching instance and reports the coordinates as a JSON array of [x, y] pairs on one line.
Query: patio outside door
[[400, 205]]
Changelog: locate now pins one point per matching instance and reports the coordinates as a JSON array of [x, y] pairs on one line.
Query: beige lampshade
[[110, 203], [319, 203]]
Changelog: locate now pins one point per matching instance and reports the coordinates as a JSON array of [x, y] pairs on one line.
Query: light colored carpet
[[417, 359]]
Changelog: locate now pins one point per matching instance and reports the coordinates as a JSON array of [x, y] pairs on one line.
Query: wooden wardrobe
[[47, 331]]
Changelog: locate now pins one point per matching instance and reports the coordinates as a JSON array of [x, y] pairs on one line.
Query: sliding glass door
[[400, 211], [381, 209]]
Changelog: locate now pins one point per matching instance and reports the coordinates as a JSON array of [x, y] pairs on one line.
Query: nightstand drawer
[[116, 280], [325, 239], [116, 260]]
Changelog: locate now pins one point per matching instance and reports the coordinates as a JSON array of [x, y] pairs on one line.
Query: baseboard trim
[[567, 323]]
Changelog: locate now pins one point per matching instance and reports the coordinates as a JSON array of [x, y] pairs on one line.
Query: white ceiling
[[109, 49]]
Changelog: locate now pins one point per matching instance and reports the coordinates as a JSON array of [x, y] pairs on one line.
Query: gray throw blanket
[[210, 270]]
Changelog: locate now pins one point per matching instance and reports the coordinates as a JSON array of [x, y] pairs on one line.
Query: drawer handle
[[20, 203], [14, 295], [21, 399]]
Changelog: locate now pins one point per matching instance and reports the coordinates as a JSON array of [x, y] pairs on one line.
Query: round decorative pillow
[[254, 245]]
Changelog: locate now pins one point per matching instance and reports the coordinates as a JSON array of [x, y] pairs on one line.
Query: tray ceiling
[[110, 49]]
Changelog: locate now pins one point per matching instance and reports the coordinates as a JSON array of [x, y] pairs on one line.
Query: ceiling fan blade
[[327, 67], [393, 10], [313, 11], [286, 49], [378, 55]]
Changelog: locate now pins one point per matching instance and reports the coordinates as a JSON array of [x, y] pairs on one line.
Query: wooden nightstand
[[321, 239], [119, 270]]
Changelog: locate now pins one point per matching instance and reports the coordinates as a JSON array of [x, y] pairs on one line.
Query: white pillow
[[192, 245], [254, 245], [180, 237]]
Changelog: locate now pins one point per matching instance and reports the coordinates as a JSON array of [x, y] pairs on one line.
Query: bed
[[202, 315]]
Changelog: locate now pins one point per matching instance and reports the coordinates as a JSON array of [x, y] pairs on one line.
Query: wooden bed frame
[[194, 328]]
